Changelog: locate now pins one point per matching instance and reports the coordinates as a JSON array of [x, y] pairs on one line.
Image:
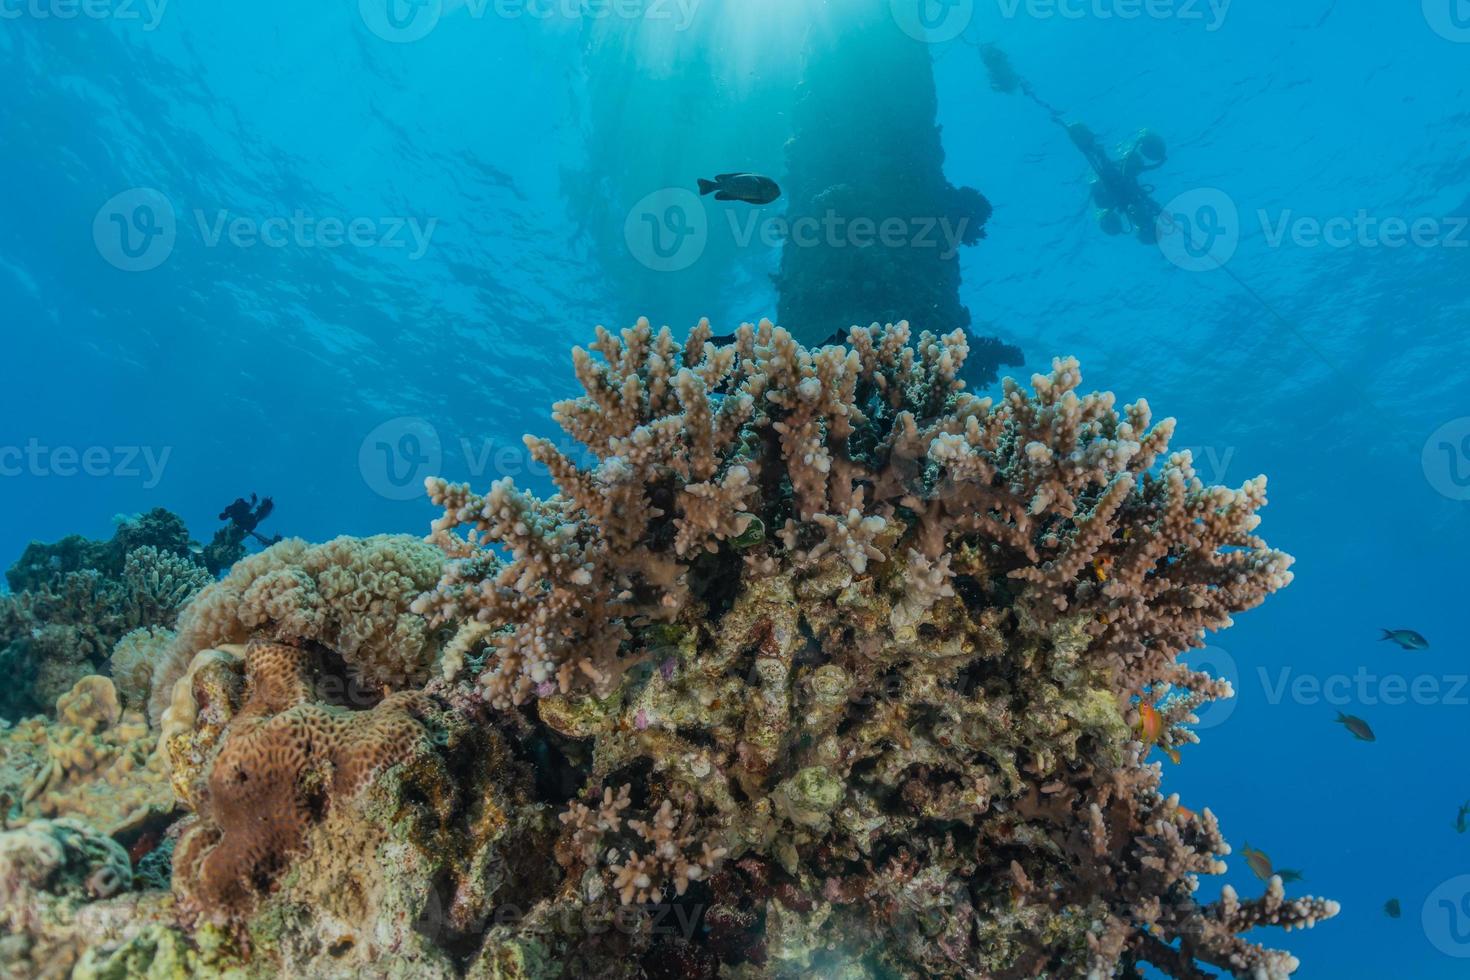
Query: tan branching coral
[[902, 724]]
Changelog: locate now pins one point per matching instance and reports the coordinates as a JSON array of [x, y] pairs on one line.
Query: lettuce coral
[[895, 736]]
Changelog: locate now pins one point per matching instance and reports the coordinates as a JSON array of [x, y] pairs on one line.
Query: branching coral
[[909, 713], [77, 598]]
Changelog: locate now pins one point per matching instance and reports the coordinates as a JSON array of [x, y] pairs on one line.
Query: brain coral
[[850, 662], [350, 595], [281, 762]]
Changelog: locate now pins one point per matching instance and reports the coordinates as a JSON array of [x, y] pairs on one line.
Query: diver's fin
[[725, 196], [707, 186]]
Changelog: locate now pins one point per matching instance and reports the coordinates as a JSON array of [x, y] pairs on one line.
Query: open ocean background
[[521, 144]]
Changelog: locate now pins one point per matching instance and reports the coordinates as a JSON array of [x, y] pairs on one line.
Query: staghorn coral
[[901, 728], [349, 595]]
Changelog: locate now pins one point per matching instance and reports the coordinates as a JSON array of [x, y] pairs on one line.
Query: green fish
[[1462, 818], [1289, 875], [1357, 726], [1408, 639], [1392, 909], [1259, 863]]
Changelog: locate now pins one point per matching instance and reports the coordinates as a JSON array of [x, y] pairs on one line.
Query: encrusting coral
[[896, 735], [95, 762]]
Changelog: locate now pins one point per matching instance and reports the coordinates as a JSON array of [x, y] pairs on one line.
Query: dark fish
[[1357, 726], [1288, 875], [750, 188], [1392, 909], [838, 339], [1461, 818], [1408, 639]]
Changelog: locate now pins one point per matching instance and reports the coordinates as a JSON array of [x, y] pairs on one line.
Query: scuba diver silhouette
[[1123, 202], [243, 516]]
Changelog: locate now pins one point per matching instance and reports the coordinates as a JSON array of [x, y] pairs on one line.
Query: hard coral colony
[[817, 662]]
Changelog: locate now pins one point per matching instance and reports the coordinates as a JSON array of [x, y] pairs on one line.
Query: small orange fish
[[1150, 729], [1186, 813]]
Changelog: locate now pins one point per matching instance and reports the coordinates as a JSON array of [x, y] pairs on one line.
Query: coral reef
[[896, 736], [350, 839], [52, 875], [74, 600], [350, 596], [827, 666], [95, 762]]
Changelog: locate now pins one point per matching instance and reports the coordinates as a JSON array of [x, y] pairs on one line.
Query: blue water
[[519, 144]]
